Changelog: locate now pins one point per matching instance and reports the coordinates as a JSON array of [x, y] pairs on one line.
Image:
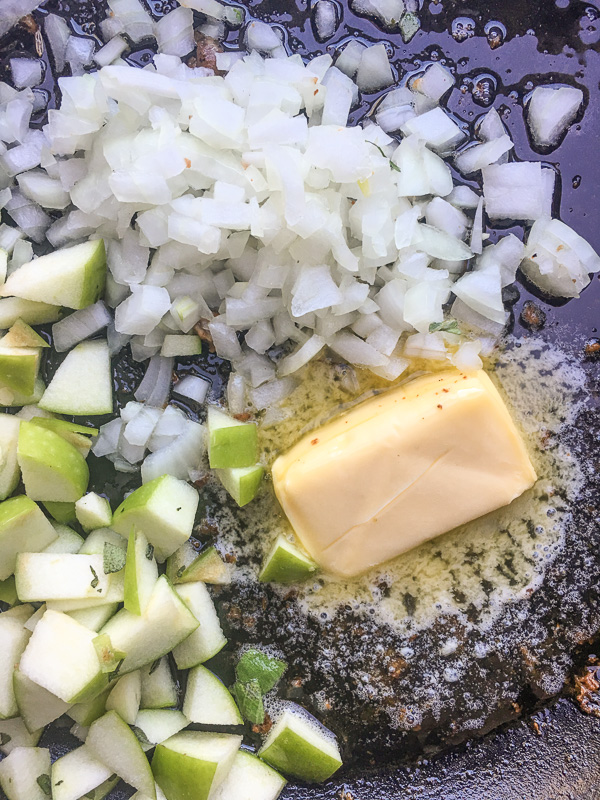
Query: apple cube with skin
[[67, 542], [93, 511], [208, 701], [25, 774], [187, 565], [82, 385], [193, 764], [96, 617], [249, 777], [9, 466], [242, 483], [37, 706], [126, 696], [231, 443], [159, 724], [285, 563], [73, 277], [299, 746], [29, 311], [77, 435], [164, 509], [21, 334], [159, 690], [113, 743], [14, 734], [13, 640], [77, 774], [208, 639], [90, 710], [23, 527], [52, 469], [10, 398], [61, 512], [19, 368], [165, 623], [61, 658], [60, 576], [141, 573], [8, 591]]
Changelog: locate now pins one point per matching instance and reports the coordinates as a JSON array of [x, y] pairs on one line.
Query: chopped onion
[[26, 72], [550, 111], [374, 70], [156, 383], [107, 440], [193, 388], [178, 458], [325, 19], [79, 326], [175, 32], [170, 425]]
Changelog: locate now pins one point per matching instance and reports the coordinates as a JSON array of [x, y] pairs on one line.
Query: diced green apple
[[87, 712], [96, 617], [77, 774], [67, 542], [187, 565], [242, 483], [166, 622], [13, 640], [33, 620], [208, 638], [181, 345], [285, 563], [93, 511], [10, 398], [126, 696], [250, 779], [8, 591], [61, 512], [21, 613], [159, 690], [60, 576], [193, 764], [62, 658], [52, 469], [9, 466], [25, 774], [299, 746], [23, 527], [29, 311], [21, 334], [73, 277], [96, 541], [19, 368], [208, 701], [164, 509], [230, 443], [160, 724], [77, 435], [141, 573], [37, 706], [113, 743], [14, 733], [82, 385]]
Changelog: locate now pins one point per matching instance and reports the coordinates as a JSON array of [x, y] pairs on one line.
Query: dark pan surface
[[555, 624]]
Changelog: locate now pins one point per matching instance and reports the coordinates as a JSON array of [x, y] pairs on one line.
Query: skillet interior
[[564, 613]]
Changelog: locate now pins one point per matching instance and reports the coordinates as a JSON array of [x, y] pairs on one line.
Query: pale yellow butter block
[[400, 468]]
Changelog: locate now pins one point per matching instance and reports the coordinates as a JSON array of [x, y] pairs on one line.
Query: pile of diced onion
[[243, 202]]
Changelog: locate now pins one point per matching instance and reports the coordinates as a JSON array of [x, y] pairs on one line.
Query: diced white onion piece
[[170, 425], [236, 393], [137, 23], [478, 156], [425, 345], [490, 126], [514, 191], [180, 457], [325, 19], [388, 12], [374, 71], [107, 440], [302, 356], [355, 351], [79, 326], [482, 291], [13, 11], [463, 197], [262, 37], [26, 72], [155, 385], [175, 32], [477, 231], [48, 192], [142, 310], [444, 216], [193, 388], [111, 51], [139, 429], [79, 53], [466, 358], [550, 111], [213, 8], [507, 253], [435, 128], [225, 341], [434, 82]]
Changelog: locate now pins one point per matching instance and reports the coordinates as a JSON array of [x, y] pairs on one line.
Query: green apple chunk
[[77, 435], [230, 443], [25, 774], [9, 466], [96, 617], [21, 334], [93, 511], [187, 565], [62, 658], [82, 385], [10, 398], [77, 774], [158, 725], [14, 733], [60, 576], [105, 789], [141, 573], [8, 591], [208, 701], [61, 512], [52, 469], [29, 311], [126, 696], [165, 623], [87, 712], [159, 690], [73, 277], [67, 542], [164, 509], [208, 638], [242, 483], [113, 743], [285, 563], [37, 706], [192, 764], [19, 368], [20, 613], [181, 345], [298, 745], [13, 640], [23, 527], [250, 779]]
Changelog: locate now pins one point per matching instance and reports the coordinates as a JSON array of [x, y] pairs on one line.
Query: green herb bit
[[141, 736], [4, 739], [447, 326], [114, 558], [149, 553], [154, 666], [249, 699], [43, 781], [258, 665], [95, 580], [393, 166], [409, 25]]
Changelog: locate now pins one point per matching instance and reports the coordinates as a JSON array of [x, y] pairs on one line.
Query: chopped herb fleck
[[141, 736], [154, 666], [250, 702], [96, 580], [447, 326], [393, 166], [258, 665], [150, 552], [114, 558], [43, 781]]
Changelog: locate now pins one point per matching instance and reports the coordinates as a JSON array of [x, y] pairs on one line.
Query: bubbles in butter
[[478, 567]]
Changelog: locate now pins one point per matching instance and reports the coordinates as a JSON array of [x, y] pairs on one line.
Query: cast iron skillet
[[545, 747]]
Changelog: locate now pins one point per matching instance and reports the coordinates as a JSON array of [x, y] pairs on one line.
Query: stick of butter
[[400, 468]]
